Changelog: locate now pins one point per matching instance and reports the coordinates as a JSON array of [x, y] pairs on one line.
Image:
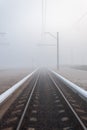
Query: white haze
[[22, 22]]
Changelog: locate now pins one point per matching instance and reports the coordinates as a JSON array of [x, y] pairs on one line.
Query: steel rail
[[79, 120], [75, 88], [4, 96], [27, 104]]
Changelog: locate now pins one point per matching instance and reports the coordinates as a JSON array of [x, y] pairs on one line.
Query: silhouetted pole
[[57, 54], [43, 29]]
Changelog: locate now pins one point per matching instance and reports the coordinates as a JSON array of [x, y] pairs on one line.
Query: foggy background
[[21, 31]]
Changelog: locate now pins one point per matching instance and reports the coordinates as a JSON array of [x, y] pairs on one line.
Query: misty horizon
[[24, 43]]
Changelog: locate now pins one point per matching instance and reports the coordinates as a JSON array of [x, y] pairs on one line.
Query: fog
[[23, 41]]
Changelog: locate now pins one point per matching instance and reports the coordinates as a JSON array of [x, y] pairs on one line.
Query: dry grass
[[11, 77], [78, 77]]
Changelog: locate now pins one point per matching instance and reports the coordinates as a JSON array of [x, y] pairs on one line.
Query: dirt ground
[[76, 76], [6, 104], [11, 76]]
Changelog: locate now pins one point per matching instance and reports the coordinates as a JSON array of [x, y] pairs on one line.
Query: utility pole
[[57, 49], [44, 27]]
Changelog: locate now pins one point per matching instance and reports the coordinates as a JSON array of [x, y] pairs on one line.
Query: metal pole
[[57, 50], [57, 54]]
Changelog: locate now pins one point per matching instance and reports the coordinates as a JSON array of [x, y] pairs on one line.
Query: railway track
[[45, 104]]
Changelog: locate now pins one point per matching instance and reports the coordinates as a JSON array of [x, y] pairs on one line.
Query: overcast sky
[[21, 20]]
